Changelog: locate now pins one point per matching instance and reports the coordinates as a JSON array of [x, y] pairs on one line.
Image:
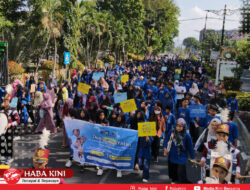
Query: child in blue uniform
[[24, 115], [178, 145], [144, 156], [233, 130], [184, 112], [233, 105], [169, 119]]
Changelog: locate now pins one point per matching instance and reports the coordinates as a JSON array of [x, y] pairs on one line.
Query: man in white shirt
[[181, 90]]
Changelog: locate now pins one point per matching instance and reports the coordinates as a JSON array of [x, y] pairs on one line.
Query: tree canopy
[[89, 30]]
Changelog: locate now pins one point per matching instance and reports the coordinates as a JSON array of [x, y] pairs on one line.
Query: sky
[[195, 9]]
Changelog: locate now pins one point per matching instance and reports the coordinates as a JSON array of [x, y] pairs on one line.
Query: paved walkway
[[24, 150]]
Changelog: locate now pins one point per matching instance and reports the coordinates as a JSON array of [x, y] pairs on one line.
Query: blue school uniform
[[24, 116], [162, 93], [170, 122], [173, 94], [233, 132], [27, 83], [154, 89], [185, 114], [182, 156], [234, 105], [207, 120], [188, 85], [144, 155], [168, 102]]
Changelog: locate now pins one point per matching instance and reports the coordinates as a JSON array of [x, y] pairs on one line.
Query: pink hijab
[[15, 84], [46, 103], [211, 86], [104, 84]]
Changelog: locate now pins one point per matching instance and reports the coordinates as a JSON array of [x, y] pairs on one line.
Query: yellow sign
[[146, 129], [124, 78], [33, 88], [84, 88], [178, 71], [128, 106], [140, 68]]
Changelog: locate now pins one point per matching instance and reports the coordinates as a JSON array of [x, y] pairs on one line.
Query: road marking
[[104, 178]]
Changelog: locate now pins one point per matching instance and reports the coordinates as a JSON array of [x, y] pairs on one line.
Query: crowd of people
[[163, 91]]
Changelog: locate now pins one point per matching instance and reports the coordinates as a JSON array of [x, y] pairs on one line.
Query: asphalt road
[[24, 150]]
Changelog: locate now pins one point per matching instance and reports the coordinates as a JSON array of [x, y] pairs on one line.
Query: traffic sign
[[67, 58]]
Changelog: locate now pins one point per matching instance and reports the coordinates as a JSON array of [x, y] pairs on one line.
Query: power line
[[201, 18]]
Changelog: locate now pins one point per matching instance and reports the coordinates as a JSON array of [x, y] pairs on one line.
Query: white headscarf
[[194, 90]]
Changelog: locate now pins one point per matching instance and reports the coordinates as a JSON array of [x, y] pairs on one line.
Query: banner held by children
[[108, 147], [198, 111], [146, 129], [128, 106], [84, 88], [120, 97]]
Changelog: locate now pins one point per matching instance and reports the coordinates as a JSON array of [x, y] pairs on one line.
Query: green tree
[[161, 24], [4, 25], [13, 16], [128, 23], [52, 21], [243, 49], [13, 10], [191, 42]]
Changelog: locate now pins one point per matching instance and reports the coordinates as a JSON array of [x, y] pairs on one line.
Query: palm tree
[[52, 21]]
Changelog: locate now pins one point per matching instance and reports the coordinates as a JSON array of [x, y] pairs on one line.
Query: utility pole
[[203, 37], [223, 26]]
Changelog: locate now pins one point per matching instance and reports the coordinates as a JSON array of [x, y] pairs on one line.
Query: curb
[[244, 130]]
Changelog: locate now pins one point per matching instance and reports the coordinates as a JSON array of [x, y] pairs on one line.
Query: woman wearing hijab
[[194, 89], [104, 84], [83, 115], [138, 97], [93, 112], [106, 105], [46, 115], [177, 146], [112, 118], [120, 121], [211, 87], [168, 101], [91, 100], [131, 92]]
